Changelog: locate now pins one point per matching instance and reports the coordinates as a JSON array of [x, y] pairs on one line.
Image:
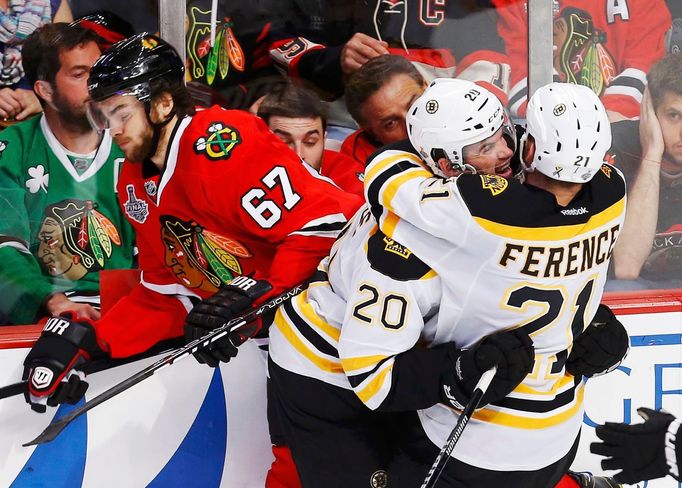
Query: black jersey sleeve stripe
[[537, 406], [357, 379], [311, 336], [374, 191]]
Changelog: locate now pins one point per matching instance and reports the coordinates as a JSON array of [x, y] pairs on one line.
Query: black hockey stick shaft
[[14, 389], [57, 426], [444, 454]]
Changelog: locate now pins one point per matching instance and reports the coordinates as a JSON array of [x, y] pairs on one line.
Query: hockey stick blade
[[14, 389], [57, 426], [444, 454]]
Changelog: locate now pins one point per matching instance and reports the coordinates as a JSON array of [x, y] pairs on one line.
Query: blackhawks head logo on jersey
[[581, 56], [198, 258], [74, 239]]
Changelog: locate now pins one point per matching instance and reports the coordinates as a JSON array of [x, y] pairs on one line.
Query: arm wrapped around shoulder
[[215, 311], [511, 351], [644, 451], [51, 367], [601, 347]]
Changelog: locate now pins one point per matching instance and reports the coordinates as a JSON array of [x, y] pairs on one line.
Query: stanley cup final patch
[[135, 208]]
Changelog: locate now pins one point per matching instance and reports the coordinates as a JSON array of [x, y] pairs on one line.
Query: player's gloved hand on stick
[[215, 311], [66, 343], [643, 451], [601, 347], [512, 352]]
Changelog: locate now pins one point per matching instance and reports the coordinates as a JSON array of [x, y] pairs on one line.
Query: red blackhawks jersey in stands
[[231, 200], [453, 38], [608, 45]]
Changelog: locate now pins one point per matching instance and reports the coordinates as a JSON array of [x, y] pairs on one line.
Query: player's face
[[304, 136], [70, 89], [669, 114], [490, 156], [125, 117], [384, 111]]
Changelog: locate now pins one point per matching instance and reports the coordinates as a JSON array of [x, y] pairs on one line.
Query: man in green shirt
[[60, 222]]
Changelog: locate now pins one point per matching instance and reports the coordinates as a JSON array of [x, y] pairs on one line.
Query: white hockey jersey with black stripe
[[507, 255]]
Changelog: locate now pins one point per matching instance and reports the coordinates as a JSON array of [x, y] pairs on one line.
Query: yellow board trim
[[558, 233], [379, 166], [375, 385], [309, 313], [361, 362], [299, 345], [530, 423]]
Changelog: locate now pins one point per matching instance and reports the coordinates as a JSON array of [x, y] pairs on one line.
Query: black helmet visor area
[[113, 112], [133, 61]]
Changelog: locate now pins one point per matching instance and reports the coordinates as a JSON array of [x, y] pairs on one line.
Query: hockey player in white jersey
[[530, 256], [389, 301]]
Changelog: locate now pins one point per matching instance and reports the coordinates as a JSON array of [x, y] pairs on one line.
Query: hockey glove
[[215, 311], [50, 367], [601, 347], [642, 451], [512, 352]]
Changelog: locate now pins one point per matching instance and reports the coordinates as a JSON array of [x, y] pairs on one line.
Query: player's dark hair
[[40, 51], [293, 101], [665, 76], [373, 75], [182, 99]]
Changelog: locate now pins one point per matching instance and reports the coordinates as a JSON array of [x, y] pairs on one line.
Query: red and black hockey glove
[[51, 367], [644, 451], [218, 309], [512, 352], [601, 347]]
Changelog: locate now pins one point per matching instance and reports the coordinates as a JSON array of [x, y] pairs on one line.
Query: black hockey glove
[[512, 352], [213, 312], [588, 480], [51, 365], [642, 451], [601, 347]]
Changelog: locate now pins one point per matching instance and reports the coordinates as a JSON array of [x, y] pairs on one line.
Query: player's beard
[[74, 116]]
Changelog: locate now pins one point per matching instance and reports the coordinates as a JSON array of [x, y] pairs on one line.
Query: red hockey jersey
[[608, 45], [345, 171], [232, 199]]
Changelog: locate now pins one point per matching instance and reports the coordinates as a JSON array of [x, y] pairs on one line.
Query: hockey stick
[[56, 427], [15, 389], [444, 454]]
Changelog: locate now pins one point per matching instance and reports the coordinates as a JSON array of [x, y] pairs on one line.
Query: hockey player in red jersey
[[607, 45], [212, 195]]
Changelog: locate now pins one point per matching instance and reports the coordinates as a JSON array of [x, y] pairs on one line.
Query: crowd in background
[[334, 80]]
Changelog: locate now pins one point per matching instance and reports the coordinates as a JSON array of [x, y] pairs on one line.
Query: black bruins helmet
[[130, 64]]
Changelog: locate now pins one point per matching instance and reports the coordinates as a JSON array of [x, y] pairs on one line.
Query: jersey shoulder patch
[[394, 260]]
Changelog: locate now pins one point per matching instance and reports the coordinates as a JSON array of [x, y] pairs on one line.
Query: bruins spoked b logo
[[431, 106], [379, 479]]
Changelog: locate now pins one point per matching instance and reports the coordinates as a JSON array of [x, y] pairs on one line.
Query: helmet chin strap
[[157, 127]]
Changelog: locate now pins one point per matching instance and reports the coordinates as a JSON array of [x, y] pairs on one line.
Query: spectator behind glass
[[298, 118], [378, 96], [650, 246], [18, 18], [109, 27], [606, 45], [457, 38], [61, 222]]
